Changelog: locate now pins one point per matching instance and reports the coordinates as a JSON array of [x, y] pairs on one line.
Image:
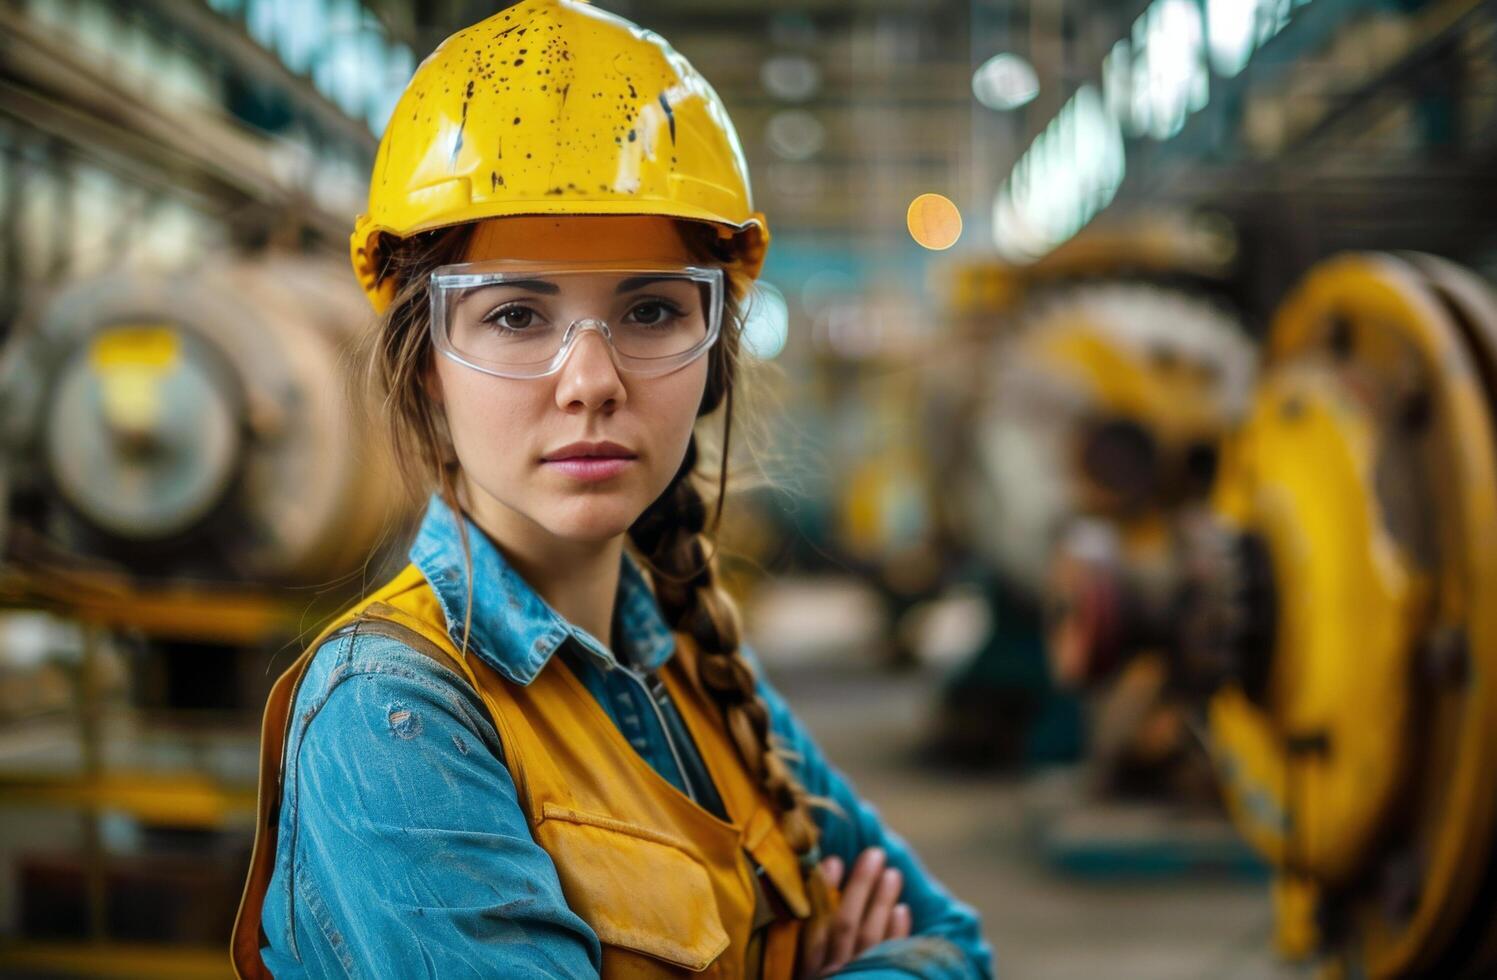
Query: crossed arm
[[944, 941]]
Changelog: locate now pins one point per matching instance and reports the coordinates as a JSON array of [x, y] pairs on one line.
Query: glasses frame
[[494, 272]]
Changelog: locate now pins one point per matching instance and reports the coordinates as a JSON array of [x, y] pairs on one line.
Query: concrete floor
[[968, 831]]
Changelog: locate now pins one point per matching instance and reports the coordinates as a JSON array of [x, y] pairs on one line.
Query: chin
[[592, 520]]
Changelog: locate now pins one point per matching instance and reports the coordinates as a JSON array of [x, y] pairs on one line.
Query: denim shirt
[[403, 849]]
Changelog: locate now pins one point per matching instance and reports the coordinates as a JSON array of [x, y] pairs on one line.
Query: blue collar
[[514, 630]]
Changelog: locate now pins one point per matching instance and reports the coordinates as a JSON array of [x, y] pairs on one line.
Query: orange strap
[[244, 946]]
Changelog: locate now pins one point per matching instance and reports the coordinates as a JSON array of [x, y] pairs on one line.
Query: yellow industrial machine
[[1093, 385], [1105, 399], [1334, 610], [1108, 405], [189, 485], [198, 425]]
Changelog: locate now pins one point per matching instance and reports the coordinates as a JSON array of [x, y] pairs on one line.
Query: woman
[[536, 752]]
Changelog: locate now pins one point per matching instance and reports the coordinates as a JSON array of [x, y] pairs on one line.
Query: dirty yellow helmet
[[554, 107]]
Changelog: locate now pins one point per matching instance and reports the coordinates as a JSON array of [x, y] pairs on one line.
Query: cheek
[[484, 413], [673, 410]]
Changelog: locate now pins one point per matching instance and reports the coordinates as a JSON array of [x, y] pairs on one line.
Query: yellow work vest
[[664, 883]]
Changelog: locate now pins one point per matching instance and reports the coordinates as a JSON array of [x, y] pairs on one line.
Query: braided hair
[[671, 536]]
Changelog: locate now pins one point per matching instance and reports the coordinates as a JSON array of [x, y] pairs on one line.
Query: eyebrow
[[551, 289], [634, 282], [534, 285]]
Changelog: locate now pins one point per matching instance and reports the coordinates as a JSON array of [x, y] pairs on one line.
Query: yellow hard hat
[[555, 107]]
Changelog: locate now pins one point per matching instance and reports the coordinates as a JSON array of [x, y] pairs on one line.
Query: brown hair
[[672, 534]]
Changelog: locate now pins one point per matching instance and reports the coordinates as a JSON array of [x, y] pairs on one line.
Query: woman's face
[[511, 436]]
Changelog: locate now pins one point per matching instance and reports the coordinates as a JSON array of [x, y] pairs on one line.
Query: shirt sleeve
[[946, 941], [412, 856]]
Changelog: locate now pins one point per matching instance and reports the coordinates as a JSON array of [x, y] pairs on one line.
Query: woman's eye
[[512, 317], [652, 312]]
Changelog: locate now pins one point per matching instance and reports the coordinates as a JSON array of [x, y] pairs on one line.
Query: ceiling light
[[1005, 82]]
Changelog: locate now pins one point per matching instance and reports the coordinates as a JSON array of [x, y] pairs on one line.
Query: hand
[[869, 914]]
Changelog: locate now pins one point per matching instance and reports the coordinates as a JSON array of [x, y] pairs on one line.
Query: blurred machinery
[[184, 487], [189, 484], [1105, 399], [1105, 384], [1332, 610], [196, 425]]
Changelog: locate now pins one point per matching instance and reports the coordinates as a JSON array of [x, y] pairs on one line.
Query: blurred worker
[[531, 752]]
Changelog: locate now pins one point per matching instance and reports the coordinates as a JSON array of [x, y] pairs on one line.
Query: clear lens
[[520, 322]]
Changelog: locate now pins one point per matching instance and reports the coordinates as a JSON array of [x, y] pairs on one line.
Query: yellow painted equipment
[[199, 426], [1079, 391], [184, 465], [1108, 399], [1335, 611]]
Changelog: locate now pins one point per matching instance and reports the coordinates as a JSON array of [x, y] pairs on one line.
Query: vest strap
[[376, 619]]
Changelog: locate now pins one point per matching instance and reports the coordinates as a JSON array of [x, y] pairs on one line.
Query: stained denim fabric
[[373, 880]]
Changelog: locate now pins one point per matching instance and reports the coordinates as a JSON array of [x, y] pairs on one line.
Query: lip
[[591, 467], [588, 450], [590, 461]]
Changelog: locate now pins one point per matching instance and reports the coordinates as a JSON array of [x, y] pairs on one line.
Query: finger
[[817, 935], [831, 870], [854, 901], [901, 922], [813, 951], [875, 928]]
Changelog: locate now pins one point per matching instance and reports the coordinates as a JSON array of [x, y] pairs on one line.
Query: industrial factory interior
[[1080, 562]]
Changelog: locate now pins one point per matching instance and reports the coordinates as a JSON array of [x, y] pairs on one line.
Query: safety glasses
[[521, 319]]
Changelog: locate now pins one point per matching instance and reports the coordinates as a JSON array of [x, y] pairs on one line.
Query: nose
[[589, 380]]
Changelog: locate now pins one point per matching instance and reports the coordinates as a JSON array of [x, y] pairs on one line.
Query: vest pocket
[[637, 888]]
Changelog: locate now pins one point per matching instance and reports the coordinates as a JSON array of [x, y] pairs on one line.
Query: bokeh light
[[934, 221]]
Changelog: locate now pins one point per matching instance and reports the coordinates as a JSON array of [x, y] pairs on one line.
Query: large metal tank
[[198, 425]]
